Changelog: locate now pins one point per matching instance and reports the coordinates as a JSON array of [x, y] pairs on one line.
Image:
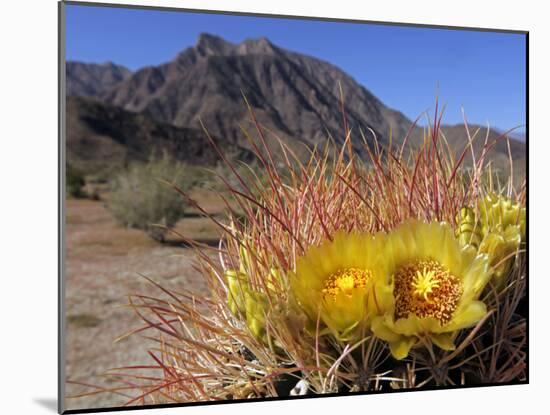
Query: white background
[[28, 217]]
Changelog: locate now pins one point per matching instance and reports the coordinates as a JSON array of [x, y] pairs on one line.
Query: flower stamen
[[346, 281], [427, 289], [424, 282]]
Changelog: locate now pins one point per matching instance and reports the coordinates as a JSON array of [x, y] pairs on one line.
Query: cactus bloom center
[[427, 289], [346, 281]]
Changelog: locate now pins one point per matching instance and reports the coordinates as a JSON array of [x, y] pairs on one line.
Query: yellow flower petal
[[338, 282], [444, 341], [476, 276], [381, 330], [400, 349], [468, 317], [434, 284]]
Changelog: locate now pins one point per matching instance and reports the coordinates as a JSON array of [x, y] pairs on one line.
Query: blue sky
[[405, 67]]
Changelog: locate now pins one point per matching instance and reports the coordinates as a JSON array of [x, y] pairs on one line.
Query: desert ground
[[103, 263]]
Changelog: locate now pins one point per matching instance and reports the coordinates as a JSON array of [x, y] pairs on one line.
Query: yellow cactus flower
[[497, 231], [500, 247], [432, 287], [256, 305], [246, 303], [237, 285], [337, 283], [498, 212], [468, 230], [503, 229]]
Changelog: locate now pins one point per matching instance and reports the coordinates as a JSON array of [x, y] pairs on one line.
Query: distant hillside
[[295, 96], [90, 79], [457, 137], [101, 137]]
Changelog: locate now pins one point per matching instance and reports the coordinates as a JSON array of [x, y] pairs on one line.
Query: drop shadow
[[48, 403]]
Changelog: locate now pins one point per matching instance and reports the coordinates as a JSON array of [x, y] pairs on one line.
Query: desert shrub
[[74, 182], [104, 176], [142, 196]]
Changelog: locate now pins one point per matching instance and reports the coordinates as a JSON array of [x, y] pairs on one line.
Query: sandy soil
[[102, 265]]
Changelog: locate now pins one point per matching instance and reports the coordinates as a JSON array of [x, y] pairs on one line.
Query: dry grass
[[203, 350]]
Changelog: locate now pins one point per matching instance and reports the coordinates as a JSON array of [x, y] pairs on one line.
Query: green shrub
[[74, 182], [141, 200]]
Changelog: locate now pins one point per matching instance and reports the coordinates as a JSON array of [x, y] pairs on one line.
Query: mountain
[[90, 79], [515, 135], [521, 136], [294, 95], [102, 137], [499, 156]]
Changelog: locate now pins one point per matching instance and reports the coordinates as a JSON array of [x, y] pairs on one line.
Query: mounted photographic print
[[260, 207]]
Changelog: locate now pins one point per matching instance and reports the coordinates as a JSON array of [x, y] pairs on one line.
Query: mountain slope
[[101, 137], [498, 155], [294, 95], [90, 79]]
